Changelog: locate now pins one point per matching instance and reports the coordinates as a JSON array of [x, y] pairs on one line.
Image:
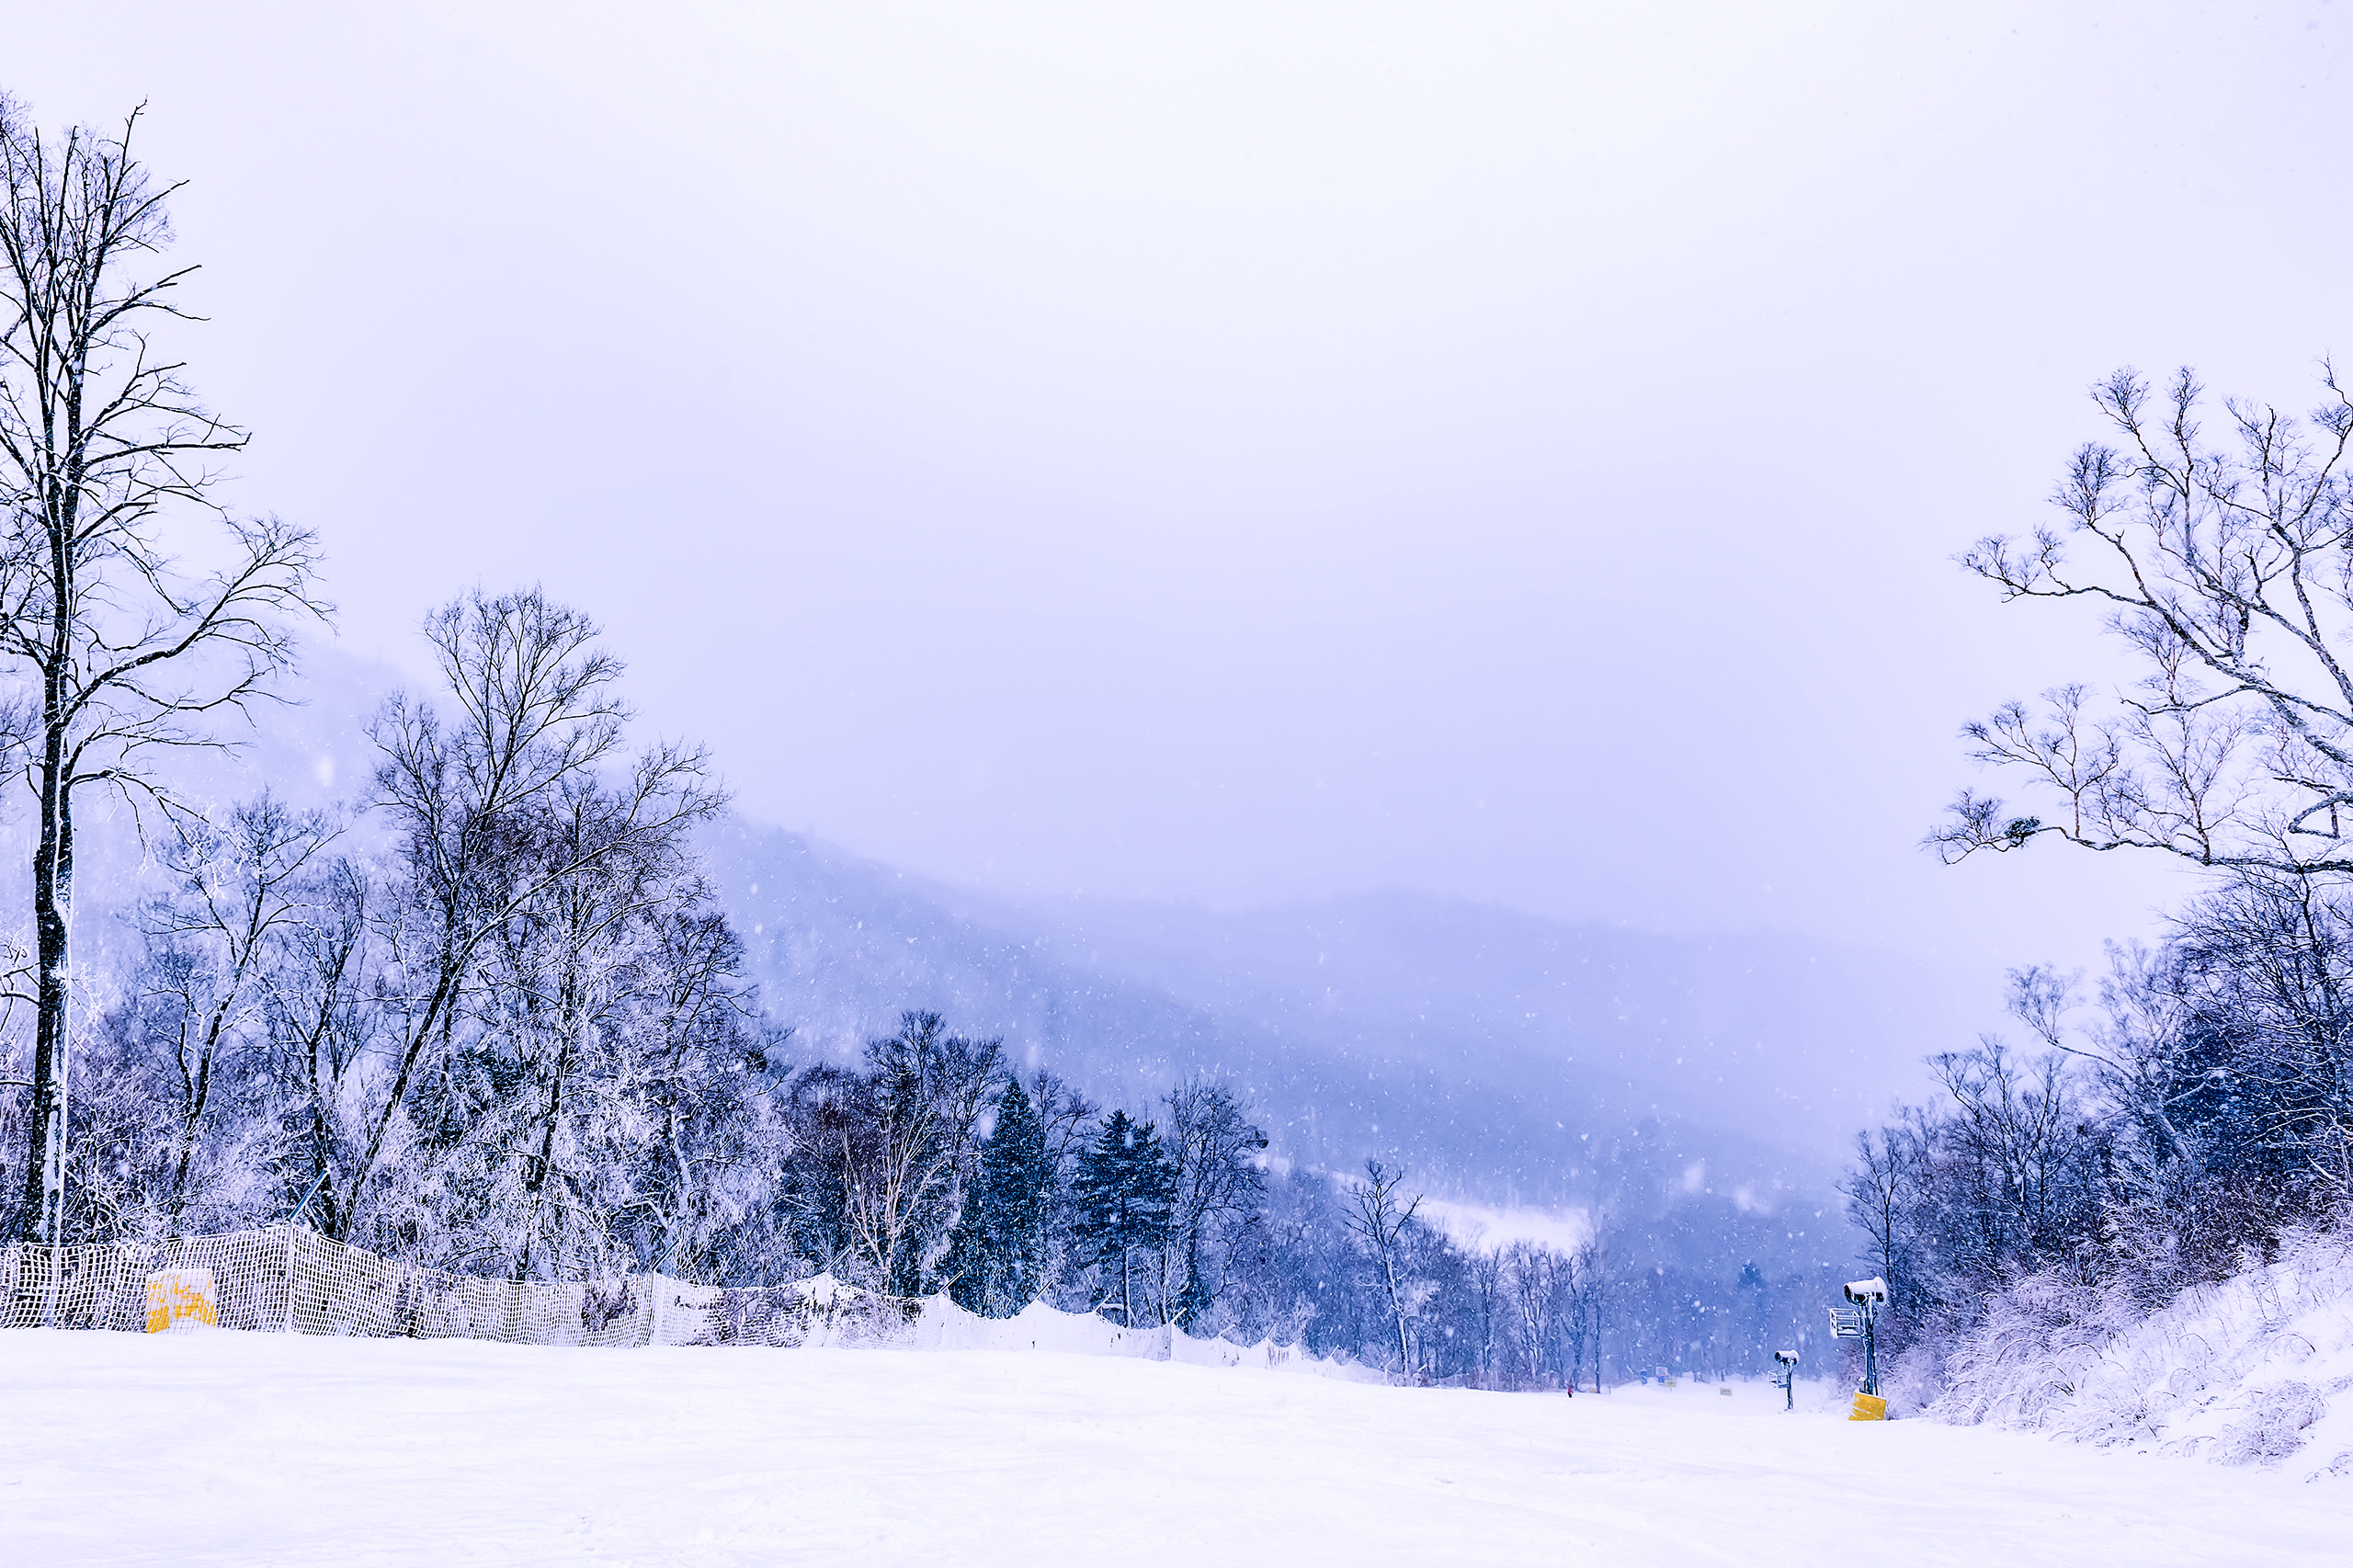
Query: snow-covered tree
[[1381, 1217], [996, 1255], [1216, 1191], [1121, 1194]]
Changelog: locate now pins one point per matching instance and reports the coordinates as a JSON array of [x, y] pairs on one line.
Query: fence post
[[290, 1278]]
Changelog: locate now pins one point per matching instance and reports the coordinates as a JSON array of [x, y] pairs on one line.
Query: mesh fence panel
[[287, 1280], [105, 1286]]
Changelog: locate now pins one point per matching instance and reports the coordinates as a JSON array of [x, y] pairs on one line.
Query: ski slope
[[224, 1447]]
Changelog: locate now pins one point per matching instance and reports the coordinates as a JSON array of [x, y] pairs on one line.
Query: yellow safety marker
[[181, 1296], [1868, 1407]]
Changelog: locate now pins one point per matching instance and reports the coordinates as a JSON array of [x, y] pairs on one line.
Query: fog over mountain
[[1509, 1060]]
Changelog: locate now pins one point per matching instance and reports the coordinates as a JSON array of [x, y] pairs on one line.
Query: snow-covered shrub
[[2254, 1370]]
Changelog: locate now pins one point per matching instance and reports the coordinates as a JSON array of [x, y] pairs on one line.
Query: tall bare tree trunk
[[53, 927], [101, 443]]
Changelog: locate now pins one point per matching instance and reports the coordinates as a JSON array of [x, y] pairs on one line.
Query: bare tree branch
[[2224, 568]]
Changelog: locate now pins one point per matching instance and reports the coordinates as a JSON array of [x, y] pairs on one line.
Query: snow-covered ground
[[222, 1447]]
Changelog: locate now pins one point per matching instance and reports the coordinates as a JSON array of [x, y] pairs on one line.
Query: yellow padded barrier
[[1868, 1407], [181, 1296]]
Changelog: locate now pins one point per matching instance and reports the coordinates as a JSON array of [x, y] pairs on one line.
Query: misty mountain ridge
[[1509, 1060]]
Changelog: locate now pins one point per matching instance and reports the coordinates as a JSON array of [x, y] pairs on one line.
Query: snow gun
[[1861, 1320]]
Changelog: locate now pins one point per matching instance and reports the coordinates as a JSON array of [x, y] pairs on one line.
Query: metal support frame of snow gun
[[1861, 1320], [1786, 1378]]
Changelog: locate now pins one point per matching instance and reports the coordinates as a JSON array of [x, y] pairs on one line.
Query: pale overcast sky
[[1234, 452]]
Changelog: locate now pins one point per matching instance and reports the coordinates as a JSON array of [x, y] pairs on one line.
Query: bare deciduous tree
[[323, 1018], [2023, 1125], [1378, 1215], [2225, 572], [1484, 1273], [1218, 1185], [709, 1036], [1596, 1288], [1536, 1287], [240, 893], [927, 1094], [477, 800], [1065, 1112], [1880, 1189], [104, 446]]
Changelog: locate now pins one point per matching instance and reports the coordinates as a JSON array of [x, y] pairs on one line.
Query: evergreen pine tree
[[995, 1260], [1123, 1190]]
